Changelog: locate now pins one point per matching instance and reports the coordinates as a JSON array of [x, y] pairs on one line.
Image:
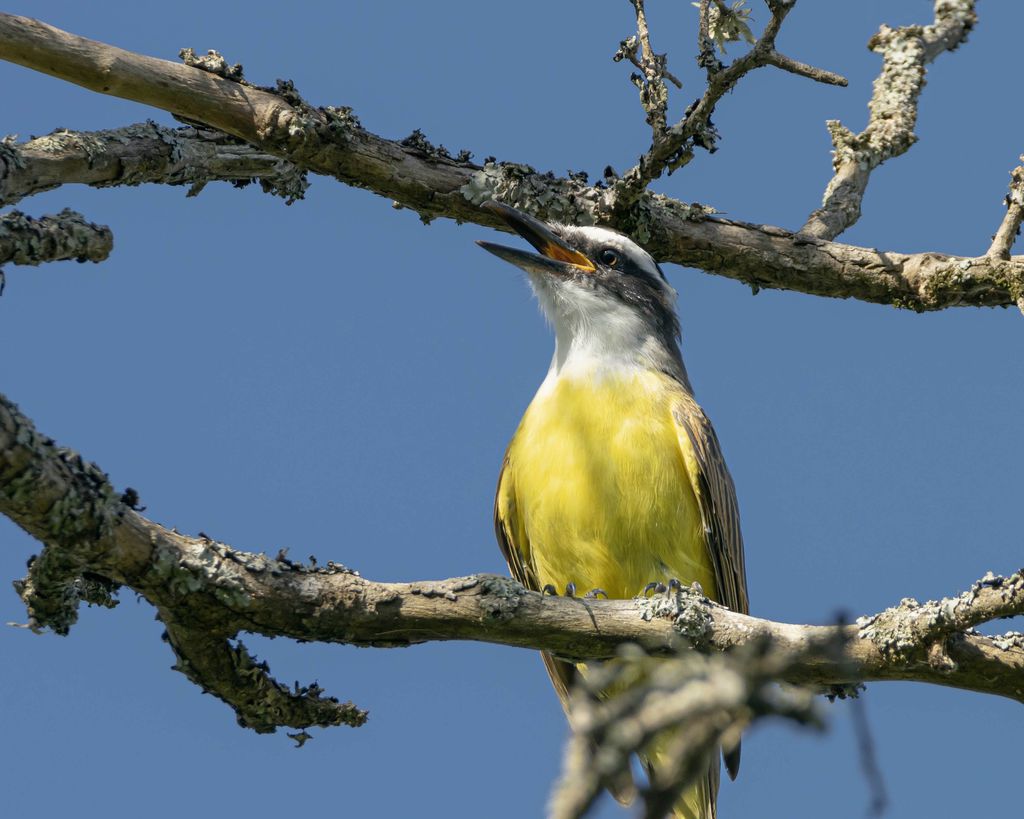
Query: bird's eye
[[609, 257]]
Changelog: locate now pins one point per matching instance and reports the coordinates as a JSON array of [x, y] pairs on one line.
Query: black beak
[[556, 255]]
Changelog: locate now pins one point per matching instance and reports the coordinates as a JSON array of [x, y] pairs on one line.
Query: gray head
[[602, 292]]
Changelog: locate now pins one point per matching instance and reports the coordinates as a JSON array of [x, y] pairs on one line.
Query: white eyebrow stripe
[[626, 246]]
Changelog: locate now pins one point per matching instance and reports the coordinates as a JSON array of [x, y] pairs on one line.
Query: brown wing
[[720, 514], [716, 497], [514, 546]]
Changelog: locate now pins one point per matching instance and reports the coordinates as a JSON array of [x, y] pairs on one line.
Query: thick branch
[[31, 241], [429, 181], [145, 152], [188, 92], [90, 531], [890, 129]]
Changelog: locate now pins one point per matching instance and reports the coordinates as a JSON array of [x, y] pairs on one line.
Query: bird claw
[[674, 585], [549, 588], [593, 594]]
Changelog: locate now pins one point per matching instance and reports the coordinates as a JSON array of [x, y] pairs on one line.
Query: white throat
[[596, 335]]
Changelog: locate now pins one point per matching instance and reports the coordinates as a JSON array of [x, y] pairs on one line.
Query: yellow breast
[[597, 488]]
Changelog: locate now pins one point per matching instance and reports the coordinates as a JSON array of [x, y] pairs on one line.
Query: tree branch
[[1009, 228], [672, 148], [712, 698], [206, 593], [651, 83], [30, 241], [133, 155], [426, 179], [890, 129]]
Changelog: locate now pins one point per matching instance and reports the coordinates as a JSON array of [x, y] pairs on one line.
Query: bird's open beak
[[556, 256]]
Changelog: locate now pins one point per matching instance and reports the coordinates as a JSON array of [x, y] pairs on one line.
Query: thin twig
[[1009, 228], [674, 148], [651, 83], [804, 70], [868, 757]]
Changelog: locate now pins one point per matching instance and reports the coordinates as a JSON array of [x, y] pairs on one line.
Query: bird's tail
[[699, 801]]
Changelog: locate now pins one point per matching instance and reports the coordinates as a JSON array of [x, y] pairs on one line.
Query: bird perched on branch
[[614, 478]]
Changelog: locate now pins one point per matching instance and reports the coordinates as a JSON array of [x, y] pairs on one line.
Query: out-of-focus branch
[[140, 153], [67, 235], [709, 699], [890, 130], [672, 148], [207, 593]]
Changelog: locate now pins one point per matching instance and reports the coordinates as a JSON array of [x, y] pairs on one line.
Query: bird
[[614, 478]]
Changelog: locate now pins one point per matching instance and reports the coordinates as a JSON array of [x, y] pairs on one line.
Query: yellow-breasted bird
[[614, 478]]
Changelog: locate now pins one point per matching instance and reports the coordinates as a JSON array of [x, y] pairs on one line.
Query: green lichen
[[569, 201], [10, 156], [213, 63], [502, 597], [687, 607], [341, 118], [200, 567], [417, 142]]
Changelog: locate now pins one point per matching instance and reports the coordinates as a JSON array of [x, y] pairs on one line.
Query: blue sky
[[336, 378]]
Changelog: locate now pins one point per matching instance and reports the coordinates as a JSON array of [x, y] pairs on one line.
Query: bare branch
[[890, 129], [431, 182], [324, 140], [199, 95], [767, 257], [804, 70], [674, 147], [67, 235], [651, 83], [1009, 228], [135, 154], [206, 593]]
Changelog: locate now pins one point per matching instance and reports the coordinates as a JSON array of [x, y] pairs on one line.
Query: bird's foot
[[570, 590], [674, 585], [593, 594]]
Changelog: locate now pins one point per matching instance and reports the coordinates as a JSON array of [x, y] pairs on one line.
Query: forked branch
[[890, 130], [433, 183], [207, 593], [673, 147]]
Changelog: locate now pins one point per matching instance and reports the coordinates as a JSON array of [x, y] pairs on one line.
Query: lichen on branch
[[208, 593], [890, 130], [26, 240]]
